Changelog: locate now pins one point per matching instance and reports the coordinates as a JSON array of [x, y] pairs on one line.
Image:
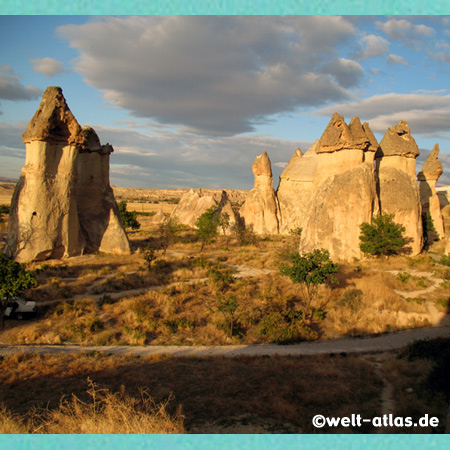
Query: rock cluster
[[195, 202], [343, 180], [344, 190], [63, 204]]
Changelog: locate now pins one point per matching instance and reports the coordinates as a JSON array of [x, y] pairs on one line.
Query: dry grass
[[416, 391], [210, 391], [185, 311], [106, 413]]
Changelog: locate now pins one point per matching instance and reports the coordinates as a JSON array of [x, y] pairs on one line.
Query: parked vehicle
[[20, 309]]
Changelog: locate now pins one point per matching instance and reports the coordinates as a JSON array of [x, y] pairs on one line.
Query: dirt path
[[385, 342], [418, 292]]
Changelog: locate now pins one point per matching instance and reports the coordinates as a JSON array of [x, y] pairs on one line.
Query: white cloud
[[397, 59], [12, 89], [425, 114], [404, 30], [48, 66], [217, 75], [346, 72], [184, 159], [372, 46]]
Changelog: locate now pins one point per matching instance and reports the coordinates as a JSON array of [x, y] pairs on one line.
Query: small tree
[[207, 225], [128, 217], [228, 307], [382, 237], [168, 233], [428, 227], [14, 279], [224, 224], [309, 270], [149, 256]]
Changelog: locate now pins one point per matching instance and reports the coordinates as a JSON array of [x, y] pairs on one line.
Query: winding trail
[[385, 342]]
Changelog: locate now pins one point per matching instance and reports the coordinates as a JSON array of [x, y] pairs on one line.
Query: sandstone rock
[[343, 190], [398, 142], [398, 189], [44, 221], [225, 207], [428, 176], [295, 188], [98, 212], [159, 218], [261, 210], [191, 206], [194, 203]]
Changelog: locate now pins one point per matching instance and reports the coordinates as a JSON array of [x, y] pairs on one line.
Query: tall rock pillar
[[44, 220], [398, 188], [428, 176], [344, 190], [261, 210]]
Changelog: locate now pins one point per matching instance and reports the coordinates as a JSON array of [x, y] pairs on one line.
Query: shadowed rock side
[[261, 210], [194, 203], [431, 171], [398, 189], [98, 213], [44, 221], [344, 191]]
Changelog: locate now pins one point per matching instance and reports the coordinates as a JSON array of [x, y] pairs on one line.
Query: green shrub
[[403, 277], [352, 299], [286, 327], [383, 237]]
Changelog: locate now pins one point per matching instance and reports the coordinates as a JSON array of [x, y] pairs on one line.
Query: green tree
[[14, 279], [149, 256], [128, 217], [228, 306], [383, 237], [428, 227], [309, 270], [207, 225], [168, 233], [224, 224]]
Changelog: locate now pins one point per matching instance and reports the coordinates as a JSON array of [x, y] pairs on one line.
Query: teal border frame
[[223, 7]]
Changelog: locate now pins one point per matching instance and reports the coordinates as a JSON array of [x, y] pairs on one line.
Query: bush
[[128, 217], [14, 279], [207, 225], [445, 260], [383, 237], [309, 270], [286, 327], [352, 299]]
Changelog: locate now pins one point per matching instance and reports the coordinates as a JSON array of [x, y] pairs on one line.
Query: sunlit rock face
[[431, 171], [343, 192], [195, 202], [261, 210], [45, 220], [398, 188]]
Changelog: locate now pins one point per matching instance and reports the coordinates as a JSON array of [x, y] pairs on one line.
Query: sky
[[190, 101]]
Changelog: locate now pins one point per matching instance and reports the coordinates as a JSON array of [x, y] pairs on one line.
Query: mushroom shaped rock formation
[[295, 188], [398, 189], [431, 171], [261, 210], [44, 221], [344, 191]]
